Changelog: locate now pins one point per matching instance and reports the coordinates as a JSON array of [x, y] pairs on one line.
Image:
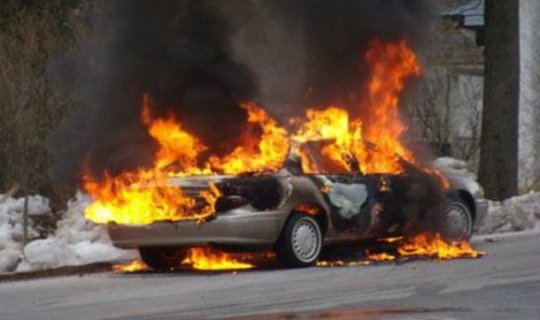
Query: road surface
[[503, 285]]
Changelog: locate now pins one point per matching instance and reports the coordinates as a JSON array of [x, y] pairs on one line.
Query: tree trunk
[[498, 171]]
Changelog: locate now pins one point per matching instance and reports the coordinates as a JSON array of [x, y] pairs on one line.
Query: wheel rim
[[306, 240], [459, 220]]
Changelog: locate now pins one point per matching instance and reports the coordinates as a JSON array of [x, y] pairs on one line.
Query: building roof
[[470, 15]]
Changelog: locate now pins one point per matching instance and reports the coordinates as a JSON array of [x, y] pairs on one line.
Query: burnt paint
[[358, 222], [395, 204]]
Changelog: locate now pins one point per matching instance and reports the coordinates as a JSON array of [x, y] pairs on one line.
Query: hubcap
[[306, 240], [458, 220]]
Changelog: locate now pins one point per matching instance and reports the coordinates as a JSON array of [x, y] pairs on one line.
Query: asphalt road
[[503, 285]]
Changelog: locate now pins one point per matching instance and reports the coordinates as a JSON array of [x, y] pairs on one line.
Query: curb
[[57, 272], [506, 235]]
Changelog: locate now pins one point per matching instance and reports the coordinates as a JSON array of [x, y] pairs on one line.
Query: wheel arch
[[314, 209], [304, 192]]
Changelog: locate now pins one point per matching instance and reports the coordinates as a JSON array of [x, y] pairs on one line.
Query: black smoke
[[177, 52], [337, 34], [181, 54]]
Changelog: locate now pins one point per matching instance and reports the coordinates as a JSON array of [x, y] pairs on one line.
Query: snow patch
[[37, 205], [9, 259], [48, 253], [514, 214], [76, 240], [12, 230]]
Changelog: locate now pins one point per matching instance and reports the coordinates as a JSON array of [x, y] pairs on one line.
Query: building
[[455, 75]]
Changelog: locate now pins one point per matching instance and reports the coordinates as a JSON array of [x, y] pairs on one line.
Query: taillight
[[230, 202]]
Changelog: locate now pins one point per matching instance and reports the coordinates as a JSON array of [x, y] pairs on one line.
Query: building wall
[[529, 138], [451, 91]]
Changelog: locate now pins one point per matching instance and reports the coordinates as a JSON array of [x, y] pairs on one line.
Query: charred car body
[[297, 214]]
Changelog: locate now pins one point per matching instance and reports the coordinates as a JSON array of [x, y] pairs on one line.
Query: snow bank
[[515, 214], [12, 231], [76, 241]]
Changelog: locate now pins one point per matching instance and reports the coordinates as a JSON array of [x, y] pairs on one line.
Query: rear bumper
[[237, 227], [481, 212]]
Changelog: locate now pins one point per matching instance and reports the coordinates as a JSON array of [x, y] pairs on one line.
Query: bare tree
[[447, 113], [431, 111], [468, 118], [29, 108]]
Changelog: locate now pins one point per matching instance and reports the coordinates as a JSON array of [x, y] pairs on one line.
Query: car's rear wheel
[[300, 242], [162, 258], [458, 218]]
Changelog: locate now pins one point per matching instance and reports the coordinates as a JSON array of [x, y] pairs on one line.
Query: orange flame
[[339, 263], [176, 146], [428, 245], [383, 256], [434, 246], [424, 245], [333, 125], [203, 259], [374, 138], [267, 153], [143, 198], [391, 65], [307, 208], [212, 260], [133, 266]]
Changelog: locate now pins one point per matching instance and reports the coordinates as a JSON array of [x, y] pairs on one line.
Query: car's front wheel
[[300, 242], [162, 258], [458, 218]]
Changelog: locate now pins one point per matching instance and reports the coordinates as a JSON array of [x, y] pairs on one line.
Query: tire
[[458, 219], [162, 258], [300, 242]]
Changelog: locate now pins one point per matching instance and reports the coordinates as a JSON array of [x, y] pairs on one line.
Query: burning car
[[333, 176], [297, 214]]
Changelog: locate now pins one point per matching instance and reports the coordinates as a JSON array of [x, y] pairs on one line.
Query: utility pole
[[498, 172]]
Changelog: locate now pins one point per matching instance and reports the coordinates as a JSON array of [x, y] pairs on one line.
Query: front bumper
[[482, 206], [241, 226]]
